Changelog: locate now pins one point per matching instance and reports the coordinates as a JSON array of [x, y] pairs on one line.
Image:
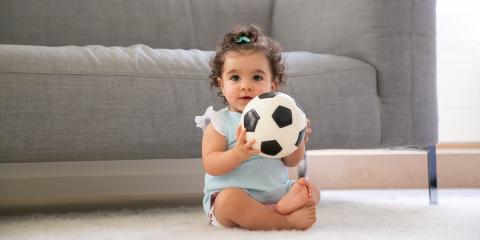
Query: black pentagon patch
[[268, 95], [301, 135], [282, 116], [271, 147], [250, 120]]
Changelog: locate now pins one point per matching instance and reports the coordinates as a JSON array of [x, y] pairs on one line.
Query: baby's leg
[[234, 207], [296, 198]]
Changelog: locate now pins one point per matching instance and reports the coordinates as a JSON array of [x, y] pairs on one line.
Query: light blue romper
[[265, 179]]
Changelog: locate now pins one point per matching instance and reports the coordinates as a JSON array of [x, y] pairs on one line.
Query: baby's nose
[[246, 86]]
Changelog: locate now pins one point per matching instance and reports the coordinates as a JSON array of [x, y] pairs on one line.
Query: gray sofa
[[97, 97]]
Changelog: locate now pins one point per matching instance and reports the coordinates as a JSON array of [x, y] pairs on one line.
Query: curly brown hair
[[259, 42]]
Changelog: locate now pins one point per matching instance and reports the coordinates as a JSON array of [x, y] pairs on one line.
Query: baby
[[243, 189]]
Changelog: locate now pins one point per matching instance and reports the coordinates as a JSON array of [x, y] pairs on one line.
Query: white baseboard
[[177, 181], [382, 168]]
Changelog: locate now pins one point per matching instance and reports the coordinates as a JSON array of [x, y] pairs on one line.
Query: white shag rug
[[353, 214]]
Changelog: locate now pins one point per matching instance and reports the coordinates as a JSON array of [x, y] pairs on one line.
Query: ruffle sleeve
[[210, 116]]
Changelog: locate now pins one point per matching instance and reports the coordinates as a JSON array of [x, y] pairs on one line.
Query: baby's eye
[[257, 78], [235, 78]]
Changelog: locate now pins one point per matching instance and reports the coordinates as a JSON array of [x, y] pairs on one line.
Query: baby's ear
[[274, 86], [220, 82]]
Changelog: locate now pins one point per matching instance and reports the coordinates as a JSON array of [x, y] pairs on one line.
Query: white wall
[[458, 70]]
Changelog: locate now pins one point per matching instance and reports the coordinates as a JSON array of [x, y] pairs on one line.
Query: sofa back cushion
[[157, 23], [97, 103]]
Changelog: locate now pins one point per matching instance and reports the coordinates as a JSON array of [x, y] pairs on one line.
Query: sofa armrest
[[396, 37]]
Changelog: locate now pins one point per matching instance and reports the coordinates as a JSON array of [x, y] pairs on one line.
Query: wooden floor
[[457, 167]]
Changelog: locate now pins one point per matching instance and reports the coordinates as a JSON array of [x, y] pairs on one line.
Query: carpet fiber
[[361, 214]]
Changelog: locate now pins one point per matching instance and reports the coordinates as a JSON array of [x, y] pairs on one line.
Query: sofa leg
[[302, 166], [432, 174]]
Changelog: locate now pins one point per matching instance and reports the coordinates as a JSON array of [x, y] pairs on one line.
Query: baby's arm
[[217, 160], [294, 158]]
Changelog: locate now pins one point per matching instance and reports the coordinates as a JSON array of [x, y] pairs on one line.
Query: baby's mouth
[[246, 98]]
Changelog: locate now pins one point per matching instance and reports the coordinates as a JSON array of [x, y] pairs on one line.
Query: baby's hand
[[243, 149], [308, 131]]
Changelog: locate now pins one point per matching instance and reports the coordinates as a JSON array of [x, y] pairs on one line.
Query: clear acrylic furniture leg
[[432, 174], [302, 166]]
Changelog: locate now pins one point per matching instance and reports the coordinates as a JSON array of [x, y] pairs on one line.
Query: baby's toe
[[302, 181]]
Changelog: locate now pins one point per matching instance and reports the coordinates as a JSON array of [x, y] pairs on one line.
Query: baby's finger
[[249, 144], [254, 151], [243, 134], [240, 137], [250, 149], [239, 129], [306, 138], [307, 135]]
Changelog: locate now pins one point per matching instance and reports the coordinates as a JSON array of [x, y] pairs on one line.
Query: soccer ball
[[276, 123]]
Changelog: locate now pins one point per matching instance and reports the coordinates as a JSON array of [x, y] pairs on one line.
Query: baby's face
[[245, 75]]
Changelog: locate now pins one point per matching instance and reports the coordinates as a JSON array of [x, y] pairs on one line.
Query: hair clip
[[243, 40]]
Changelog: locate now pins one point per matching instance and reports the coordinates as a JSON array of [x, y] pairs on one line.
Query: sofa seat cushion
[[112, 103]]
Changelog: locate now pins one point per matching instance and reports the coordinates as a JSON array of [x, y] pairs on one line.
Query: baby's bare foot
[[305, 217], [297, 197]]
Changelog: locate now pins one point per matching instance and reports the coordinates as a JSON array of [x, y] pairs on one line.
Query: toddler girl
[[243, 189]]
